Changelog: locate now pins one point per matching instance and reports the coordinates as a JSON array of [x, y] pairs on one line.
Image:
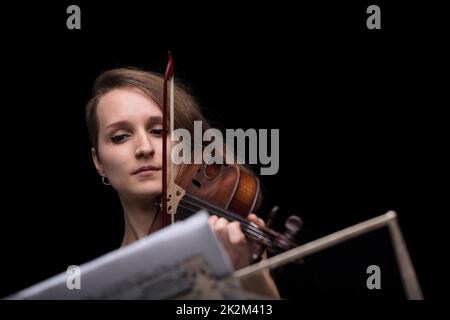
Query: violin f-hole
[[196, 183]]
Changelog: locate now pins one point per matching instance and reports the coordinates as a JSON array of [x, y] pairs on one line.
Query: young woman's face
[[130, 143]]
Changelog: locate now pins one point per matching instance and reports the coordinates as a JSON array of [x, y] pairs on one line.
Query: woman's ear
[[97, 162]]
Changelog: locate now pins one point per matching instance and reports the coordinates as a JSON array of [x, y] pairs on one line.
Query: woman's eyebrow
[[124, 123], [117, 124], [155, 119]]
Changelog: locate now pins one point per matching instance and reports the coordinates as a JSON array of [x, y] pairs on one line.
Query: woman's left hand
[[240, 249]]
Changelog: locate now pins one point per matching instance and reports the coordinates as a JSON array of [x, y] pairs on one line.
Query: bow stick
[[168, 103]]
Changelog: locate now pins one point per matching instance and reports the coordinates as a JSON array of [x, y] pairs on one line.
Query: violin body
[[226, 186]]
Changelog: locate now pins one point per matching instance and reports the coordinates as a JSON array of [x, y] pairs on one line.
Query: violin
[[224, 190], [232, 193]]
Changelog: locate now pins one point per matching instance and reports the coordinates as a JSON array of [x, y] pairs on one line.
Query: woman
[[124, 120]]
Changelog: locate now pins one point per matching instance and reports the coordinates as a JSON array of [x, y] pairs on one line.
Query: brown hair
[[185, 107]]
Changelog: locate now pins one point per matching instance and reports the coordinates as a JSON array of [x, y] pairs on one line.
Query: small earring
[[158, 202], [105, 181]]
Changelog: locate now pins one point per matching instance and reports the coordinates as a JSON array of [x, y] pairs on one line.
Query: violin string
[[256, 231], [249, 231], [225, 213], [261, 233], [269, 233], [202, 203], [195, 207]]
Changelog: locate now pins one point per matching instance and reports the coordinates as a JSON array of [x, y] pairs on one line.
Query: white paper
[[153, 260]]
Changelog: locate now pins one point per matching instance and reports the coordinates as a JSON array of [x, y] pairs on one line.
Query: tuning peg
[[256, 257], [271, 216], [293, 225]]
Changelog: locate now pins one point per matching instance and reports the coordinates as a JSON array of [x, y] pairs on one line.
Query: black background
[[358, 111]]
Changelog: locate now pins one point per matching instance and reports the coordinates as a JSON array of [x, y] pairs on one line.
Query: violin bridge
[[172, 206]]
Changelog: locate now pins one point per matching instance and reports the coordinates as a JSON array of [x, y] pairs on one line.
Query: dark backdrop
[[357, 112]]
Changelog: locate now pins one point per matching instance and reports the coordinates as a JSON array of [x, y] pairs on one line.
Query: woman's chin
[[148, 194], [142, 190]]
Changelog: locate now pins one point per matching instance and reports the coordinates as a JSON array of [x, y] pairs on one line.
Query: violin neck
[[190, 204]]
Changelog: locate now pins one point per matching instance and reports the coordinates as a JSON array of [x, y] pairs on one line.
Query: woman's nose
[[145, 147]]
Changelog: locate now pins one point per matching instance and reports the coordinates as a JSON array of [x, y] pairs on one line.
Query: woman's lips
[[146, 173]]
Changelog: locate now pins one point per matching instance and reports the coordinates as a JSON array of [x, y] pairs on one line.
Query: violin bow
[[168, 112], [408, 275]]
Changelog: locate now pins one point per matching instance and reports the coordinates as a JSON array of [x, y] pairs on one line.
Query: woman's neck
[[140, 219]]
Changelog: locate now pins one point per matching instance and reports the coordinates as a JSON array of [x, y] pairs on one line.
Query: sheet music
[[147, 269]]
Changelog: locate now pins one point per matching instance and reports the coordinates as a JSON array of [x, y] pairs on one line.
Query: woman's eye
[[119, 138], [156, 131]]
